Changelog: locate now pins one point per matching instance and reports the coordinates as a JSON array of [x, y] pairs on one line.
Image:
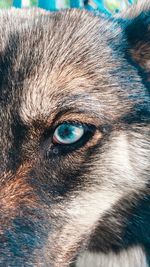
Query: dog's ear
[[137, 32]]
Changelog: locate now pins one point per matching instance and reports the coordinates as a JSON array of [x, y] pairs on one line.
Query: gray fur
[[56, 203]]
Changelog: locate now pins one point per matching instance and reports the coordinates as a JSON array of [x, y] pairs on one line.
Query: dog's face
[[74, 135]]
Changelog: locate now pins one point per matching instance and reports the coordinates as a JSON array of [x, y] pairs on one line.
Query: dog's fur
[[88, 202]]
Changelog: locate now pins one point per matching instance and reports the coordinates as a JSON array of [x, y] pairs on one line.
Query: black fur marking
[[19, 132], [138, 29]]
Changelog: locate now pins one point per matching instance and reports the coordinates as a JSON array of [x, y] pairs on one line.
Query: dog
[[75, 150]]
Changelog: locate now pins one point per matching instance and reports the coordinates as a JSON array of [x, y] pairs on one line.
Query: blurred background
[[107, 6]]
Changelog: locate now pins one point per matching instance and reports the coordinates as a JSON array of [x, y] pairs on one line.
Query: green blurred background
[[8, 3], [107, 6]]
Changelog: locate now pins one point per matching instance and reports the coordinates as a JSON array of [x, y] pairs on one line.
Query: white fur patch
[[86, 209], [133, 257]]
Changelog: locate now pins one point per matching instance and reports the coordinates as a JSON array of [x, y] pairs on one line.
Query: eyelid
[[76, 119]]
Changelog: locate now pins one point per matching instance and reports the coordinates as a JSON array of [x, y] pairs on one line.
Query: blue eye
[[68, 133]]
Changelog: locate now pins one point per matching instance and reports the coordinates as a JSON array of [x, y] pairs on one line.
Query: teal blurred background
[[107, 6]]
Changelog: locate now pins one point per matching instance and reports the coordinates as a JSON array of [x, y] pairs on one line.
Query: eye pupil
[[65, 131], [68, 133]]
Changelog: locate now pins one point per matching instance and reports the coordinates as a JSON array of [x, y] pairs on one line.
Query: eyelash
[[71, 122]]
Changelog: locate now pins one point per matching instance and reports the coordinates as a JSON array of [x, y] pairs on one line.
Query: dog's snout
[[23, 224]]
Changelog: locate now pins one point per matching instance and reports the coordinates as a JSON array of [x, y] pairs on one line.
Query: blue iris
[[68, 133]]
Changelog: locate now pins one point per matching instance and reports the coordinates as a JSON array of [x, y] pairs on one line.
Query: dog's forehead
[[52, 56], [51, 92]]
